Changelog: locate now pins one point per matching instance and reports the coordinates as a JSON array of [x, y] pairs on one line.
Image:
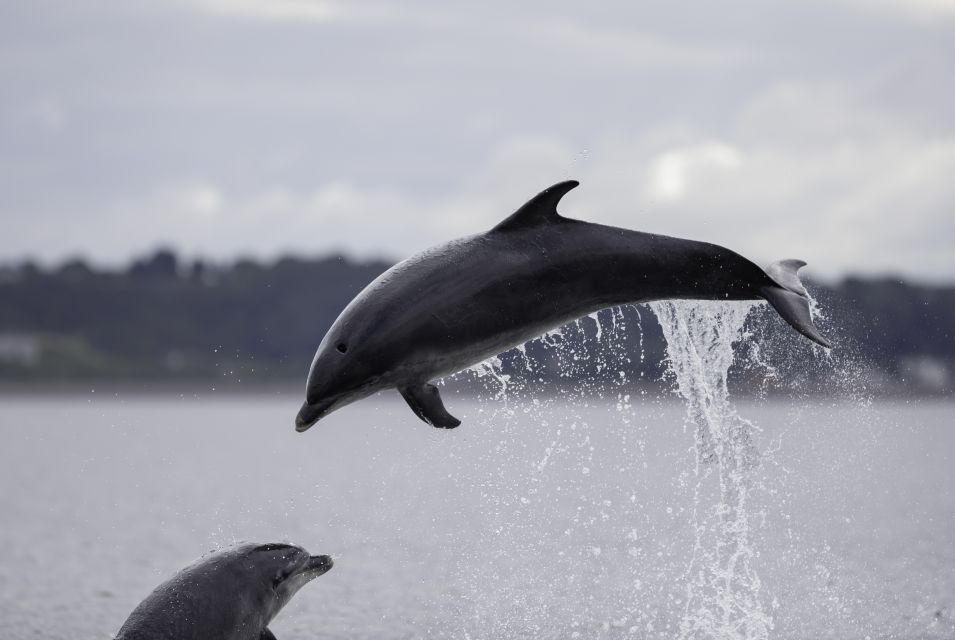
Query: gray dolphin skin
[[459, 303], [228, 595]]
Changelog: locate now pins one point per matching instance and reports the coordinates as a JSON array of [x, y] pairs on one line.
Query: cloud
[[674, 172], [920, 10], [524, 30], [43, 115], [806, 170], [205, 219], [811, 172], [279, 10], [626, 48], [865, 201], [877, 206], [259, 126]]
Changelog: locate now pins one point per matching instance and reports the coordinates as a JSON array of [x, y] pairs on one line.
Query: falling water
[[723, 597], [716, 593]]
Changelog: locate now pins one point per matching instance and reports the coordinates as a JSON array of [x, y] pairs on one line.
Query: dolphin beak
[[317, 565], [309, 414]]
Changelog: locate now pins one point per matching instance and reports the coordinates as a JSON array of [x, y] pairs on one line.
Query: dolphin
[[229, 595], [458, 303]]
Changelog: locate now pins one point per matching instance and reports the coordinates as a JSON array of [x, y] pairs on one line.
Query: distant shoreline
[[167, 326]]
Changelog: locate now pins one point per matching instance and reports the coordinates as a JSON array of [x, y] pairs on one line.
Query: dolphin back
[[791, 300]]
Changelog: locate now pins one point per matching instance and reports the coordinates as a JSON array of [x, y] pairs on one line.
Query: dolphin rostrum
[[459, 303], [229, 595]]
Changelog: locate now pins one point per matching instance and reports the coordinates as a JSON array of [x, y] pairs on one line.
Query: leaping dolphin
[[456, 304]]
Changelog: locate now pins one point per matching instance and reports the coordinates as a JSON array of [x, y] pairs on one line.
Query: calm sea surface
[[566, 518]]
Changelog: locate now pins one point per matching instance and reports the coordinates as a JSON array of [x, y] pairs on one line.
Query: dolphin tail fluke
[[791, 300], [425, 401]]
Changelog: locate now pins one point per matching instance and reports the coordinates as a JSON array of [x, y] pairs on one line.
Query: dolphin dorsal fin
[[541, 209]]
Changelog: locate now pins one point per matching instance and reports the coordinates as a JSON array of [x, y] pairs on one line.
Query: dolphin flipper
[[425, 401], [791, 300], [267, 635]]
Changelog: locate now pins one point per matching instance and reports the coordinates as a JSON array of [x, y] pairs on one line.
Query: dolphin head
[[347, 367], [280, 570], [244, 586]]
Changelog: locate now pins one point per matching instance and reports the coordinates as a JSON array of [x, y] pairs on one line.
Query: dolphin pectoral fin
[[267, 635], [425, 401]]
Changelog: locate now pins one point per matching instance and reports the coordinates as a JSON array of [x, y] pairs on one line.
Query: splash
[[616, 564], [723, 598], [552, 558]]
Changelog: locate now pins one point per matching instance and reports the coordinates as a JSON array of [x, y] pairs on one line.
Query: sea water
[[722, 591], [599, 512]]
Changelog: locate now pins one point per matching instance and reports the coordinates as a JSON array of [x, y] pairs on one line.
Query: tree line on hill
[[164, 318]]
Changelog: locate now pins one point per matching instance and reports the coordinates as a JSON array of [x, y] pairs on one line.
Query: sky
[[253, 128]]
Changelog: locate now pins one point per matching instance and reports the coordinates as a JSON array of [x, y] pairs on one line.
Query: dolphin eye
[[342, 347], [280, 577]]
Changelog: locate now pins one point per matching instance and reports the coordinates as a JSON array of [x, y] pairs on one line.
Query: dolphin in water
[[459, 303], [228, 595]]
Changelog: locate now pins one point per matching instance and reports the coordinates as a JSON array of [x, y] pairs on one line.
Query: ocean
[[566, 516]]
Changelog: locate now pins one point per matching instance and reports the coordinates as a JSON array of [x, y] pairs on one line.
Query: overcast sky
[[817, 130]]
